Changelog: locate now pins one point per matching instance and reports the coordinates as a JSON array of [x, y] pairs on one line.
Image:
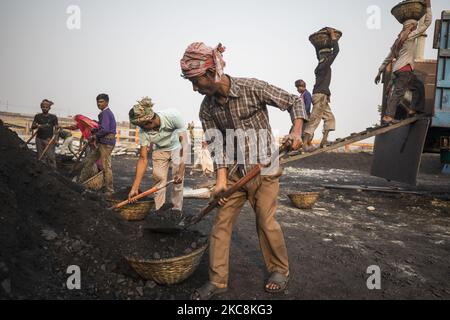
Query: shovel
[[55, 136], [140, 196], [32, 137], [80, 154], [191, 221]]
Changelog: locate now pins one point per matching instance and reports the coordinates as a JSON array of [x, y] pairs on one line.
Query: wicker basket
[[321, 39], [409, 9], [168, 271], [95, 183], [136, 211], [304, 200]]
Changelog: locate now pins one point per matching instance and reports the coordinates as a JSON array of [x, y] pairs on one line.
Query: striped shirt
[[244, 120]]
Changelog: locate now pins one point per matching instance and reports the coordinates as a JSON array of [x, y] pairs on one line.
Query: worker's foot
[[386, 121], [324, 144], [277, 283], [208, 291], [411, 113], [308, 148], [307, 139]]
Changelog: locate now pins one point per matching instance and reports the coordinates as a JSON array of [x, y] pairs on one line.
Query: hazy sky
[[130, 49]]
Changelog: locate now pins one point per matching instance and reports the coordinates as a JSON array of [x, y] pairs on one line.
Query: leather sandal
[[278, 279], [206, 292]]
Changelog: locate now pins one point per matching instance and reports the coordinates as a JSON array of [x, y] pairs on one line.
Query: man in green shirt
[[164, 134]]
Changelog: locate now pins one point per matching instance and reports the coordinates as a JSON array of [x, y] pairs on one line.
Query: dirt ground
[[49, 223], [331, 246]]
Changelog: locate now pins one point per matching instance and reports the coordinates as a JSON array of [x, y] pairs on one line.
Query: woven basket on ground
[[409, 9], [304, 200], [168, 271], [322, 39], [136, 211], [95, 183]]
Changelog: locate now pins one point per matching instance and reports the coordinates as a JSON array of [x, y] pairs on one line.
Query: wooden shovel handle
[[80, 154], [255, 172], [50, 144], [142, 195], [34, 135]]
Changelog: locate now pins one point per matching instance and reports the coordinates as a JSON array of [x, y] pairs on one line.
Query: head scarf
[[402, 37], [199, 58], [85, 125], [142, 112], [47, 102]]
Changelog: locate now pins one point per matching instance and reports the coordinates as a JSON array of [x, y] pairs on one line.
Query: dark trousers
[[401, 84], [49, 157]]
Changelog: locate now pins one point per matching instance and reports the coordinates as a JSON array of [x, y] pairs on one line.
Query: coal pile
[[123, 193], [162, 238], [166, 220], [48, 223], [158, 246]]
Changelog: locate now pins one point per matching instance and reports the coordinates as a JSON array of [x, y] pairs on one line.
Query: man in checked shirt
[[231, 107]]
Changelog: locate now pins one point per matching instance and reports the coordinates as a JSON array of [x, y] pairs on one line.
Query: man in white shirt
[[402, 57]]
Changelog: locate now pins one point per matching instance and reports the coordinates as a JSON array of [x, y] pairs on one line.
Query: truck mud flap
[[397, 154]]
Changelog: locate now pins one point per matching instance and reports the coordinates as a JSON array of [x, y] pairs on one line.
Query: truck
[[397, 154]]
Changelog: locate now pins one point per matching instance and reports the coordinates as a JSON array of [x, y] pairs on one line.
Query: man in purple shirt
[[105, 138], [305, 95]]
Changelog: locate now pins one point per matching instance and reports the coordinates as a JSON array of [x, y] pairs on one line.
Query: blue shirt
[[107, 131], [307, 100], [167, 138]]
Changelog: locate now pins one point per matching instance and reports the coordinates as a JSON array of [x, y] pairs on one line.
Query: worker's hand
[[179, 177], [294, 140], [332, 33], [378, 78], [133, 193], [217, 191]]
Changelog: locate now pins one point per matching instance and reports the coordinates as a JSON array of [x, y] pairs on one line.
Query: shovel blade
[[150, 226]]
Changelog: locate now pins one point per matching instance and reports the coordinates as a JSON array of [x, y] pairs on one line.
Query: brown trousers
[[262, 193], [162, 161], [49, 157], [321, 111], [102, 152]]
